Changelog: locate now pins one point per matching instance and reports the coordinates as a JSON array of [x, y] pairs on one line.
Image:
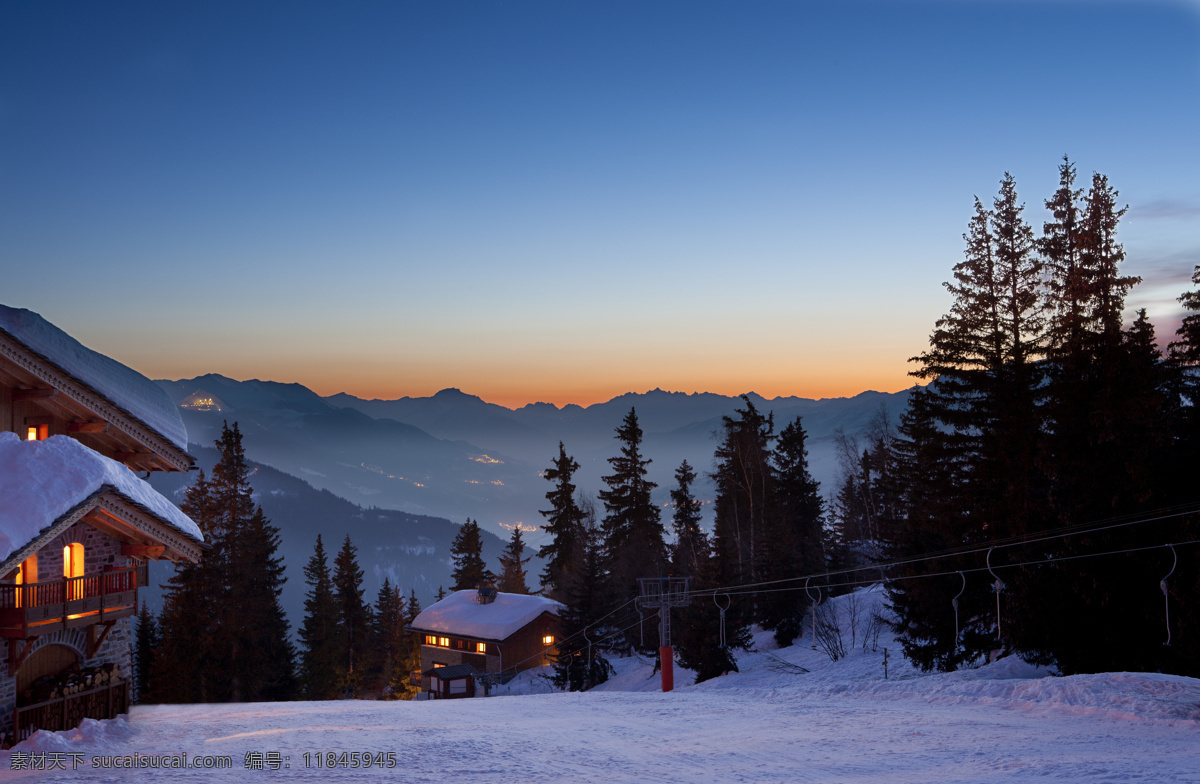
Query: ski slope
[[772, 722]]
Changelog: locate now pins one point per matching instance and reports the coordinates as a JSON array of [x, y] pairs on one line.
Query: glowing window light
[[37, 433], [443, 642], [548, 639], [481, 647], [73, 567]]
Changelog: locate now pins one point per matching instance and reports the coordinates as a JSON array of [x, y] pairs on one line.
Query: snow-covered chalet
[[473, 632], [77, 524]]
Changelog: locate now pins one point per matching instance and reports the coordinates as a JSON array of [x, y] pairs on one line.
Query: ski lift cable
[[750, 589], [999, 543]]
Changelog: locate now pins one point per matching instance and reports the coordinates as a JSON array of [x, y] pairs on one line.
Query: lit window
[[548, 639], [26, 574], [73, 567], [444, 642], [430, 639], [37, 433], [481, 647]]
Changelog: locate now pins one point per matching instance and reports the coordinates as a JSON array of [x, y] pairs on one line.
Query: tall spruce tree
[[268, 663], [321, 635], [512, 565], [981, 406], [225, 636], [744, 480], [146, 642], [389, 639], [466, 552], [634, 543], [355, 620], [691, 550], [793, 534], [409, 660], [579, 663], [563, 521]]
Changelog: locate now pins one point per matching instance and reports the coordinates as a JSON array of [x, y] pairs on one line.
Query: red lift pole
[[665, 593]]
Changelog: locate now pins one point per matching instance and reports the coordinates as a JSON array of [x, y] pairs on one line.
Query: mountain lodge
[[77, 525]]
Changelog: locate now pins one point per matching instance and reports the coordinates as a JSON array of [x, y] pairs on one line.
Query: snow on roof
[[461, 613], [123, 386], [40, 481]]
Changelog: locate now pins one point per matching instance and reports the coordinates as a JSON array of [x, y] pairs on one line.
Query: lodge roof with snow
[[47, 486], [72, 380], [462, 614]]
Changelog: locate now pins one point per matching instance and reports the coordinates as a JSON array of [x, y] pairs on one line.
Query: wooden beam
[[30, 394], [132, 457], [143, 550], [87, 427], [94, 642], [15, 660]]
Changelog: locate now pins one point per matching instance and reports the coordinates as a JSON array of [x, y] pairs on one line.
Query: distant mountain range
[[455, 456]]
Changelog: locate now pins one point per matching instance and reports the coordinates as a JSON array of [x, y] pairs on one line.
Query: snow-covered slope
[[772, 722]]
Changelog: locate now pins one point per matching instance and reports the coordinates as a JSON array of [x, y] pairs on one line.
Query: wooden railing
[[39, 607], [64, 713]]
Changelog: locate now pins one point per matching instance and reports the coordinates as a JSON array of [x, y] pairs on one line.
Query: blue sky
[[564, 201]]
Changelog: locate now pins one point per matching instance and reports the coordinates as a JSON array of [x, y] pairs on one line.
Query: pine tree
[[691, 550], [355, 619], [389, 639], [321, 635], [146, 642], [512, 565], [466, 552], [268, 661], [183, 668], [441, 594], [633, 532], [794, 531], [409, 659], [224, 633], [563, 520], [744, 481], [745, 491], [579, 664], [981, 407], [1186, 350]]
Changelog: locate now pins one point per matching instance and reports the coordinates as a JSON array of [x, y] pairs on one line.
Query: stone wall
[[100, 551]]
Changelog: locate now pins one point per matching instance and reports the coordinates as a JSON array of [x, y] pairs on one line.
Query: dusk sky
[[564, 201]]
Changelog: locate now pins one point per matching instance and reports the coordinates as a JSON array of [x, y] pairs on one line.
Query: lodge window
[[481, 647], [26, 574], [37, 432], [548, 639], [73, 567], [430, 639]]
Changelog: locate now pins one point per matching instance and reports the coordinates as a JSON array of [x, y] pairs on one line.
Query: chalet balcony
[[40, 608]]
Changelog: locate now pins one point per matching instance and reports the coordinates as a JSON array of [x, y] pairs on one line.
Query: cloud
[[1172, 269], [1166, 209]]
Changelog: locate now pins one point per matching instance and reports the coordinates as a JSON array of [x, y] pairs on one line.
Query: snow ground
[[840, 722]]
